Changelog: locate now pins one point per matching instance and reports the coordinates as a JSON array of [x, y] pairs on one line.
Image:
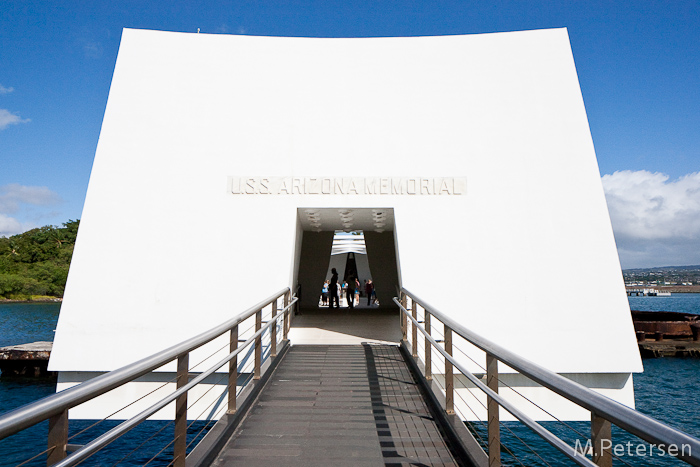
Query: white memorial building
[[226, 163]]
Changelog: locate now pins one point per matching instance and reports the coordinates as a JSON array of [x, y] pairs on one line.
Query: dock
[[684, 348], [667, 334], [29, 360]]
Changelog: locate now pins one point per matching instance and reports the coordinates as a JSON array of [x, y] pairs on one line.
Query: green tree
[[36, 262]]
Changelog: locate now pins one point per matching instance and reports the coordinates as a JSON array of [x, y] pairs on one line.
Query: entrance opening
[[349, 258], [357, 242]]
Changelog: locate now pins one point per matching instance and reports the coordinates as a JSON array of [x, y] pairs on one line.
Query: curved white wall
[[165, 250]]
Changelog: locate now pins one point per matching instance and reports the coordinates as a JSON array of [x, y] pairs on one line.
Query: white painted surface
[[470, 403], [527, 252], [208, 399], [345, 327]]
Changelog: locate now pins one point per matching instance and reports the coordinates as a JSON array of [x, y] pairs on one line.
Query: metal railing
[[604, 411], [55, 407]]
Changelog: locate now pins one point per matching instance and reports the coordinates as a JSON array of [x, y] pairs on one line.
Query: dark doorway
[[316, 254]]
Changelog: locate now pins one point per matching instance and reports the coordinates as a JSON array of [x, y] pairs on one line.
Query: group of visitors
[[350, 290]]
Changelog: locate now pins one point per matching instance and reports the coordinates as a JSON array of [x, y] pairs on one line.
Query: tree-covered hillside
[[35, 263]]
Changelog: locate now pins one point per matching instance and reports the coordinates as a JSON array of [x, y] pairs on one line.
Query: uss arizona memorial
[[237, 158], [478, 146]]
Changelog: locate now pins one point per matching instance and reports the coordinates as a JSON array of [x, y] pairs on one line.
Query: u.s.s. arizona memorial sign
[[347, 185]]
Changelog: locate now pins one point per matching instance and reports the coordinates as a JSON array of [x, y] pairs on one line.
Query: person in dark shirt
[[333, 289], [369, 288], [351, 291]]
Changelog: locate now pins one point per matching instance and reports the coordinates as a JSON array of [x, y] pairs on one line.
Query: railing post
[[601, 438], [258, 345], [414, 330], [428, 348], [494, 432], [449, 376], [285, 331], [233, 371], [404, 319], [273, 330], [58, 438], [180, 445]]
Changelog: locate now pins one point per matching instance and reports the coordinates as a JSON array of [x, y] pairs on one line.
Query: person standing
[[324, 294], [350, 292], [334, 289], [369, 288]]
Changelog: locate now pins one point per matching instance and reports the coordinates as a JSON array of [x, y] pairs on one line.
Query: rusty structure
[[26, 360], [667, 333]]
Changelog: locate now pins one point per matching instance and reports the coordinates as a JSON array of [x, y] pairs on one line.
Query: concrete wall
[[315, 254], [383, 263], [363, 270], [177, 251]]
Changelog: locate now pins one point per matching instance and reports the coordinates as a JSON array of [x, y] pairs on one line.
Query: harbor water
[[680, 302], [148, 443], [667, 391]]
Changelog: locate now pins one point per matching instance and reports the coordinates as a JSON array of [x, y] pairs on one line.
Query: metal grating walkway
[[339, 405]]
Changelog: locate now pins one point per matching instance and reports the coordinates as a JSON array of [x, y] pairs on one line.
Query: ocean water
[[667, 391], [680, 302], [22, 323]]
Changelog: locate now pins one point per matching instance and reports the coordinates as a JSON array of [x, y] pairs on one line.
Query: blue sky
[[638, 65]]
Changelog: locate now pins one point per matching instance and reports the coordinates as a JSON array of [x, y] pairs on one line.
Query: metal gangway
[[399, 407]]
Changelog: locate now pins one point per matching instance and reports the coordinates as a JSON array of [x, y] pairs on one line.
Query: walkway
[[321, 326], [343, 405]]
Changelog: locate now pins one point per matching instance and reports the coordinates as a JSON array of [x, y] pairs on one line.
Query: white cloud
[[4, 90], [7, 118], [14, 195], [656, 220], [19, 202], [10, 226]]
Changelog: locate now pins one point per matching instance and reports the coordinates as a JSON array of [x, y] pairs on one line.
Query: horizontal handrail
[[624, 417], [517, 413], [33, 413], [98, 443]]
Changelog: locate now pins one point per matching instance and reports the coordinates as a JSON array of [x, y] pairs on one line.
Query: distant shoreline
[[668, 288], [661, 288], [33, 300]]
